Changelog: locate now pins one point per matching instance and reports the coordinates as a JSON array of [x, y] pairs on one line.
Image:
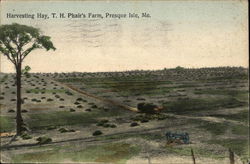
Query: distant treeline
[[178, 73]]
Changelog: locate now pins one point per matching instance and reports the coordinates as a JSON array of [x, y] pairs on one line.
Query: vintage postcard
[[124, 82]]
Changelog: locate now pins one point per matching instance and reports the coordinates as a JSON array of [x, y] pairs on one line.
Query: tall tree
[[16, 43]]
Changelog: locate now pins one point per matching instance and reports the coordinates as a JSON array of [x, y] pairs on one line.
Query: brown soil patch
[[7, 134]]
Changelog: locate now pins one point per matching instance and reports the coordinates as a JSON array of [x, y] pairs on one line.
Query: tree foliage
[[17, 41]]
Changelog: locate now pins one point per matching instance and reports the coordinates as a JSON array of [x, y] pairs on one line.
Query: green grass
[[93, 80], [128, 88], [199, 152], [238, 146], [190, 85], [61, 118], [220, 128], [192, 105], [108, 153], [240, 130], [125, 86], [46, 90], [240, 94], [215, 128], [242, 116], [242, 76], [212, 127], [6, 124]]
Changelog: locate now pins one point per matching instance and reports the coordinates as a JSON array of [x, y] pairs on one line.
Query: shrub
[[144, 120], [93, 106], [43, 140], [71, 130], [24, 111], [79, 99], [65, 130], [134, 124], [106, 125], [113, 126], [26, 136], [11, 111], [79, 106], [100, 124], [97, 133], [147, 108], [61, 106], [161, 117], [103, 123], [69, 93], [76, 103], [88, 110], [72, 110], [49, 99]]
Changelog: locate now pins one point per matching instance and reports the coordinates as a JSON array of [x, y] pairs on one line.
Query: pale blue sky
[[186, 33]]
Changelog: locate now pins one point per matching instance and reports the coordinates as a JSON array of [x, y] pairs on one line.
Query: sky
[[191, 34]]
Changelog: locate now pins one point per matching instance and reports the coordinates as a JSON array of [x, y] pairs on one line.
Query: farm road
[[88, 140], [96, 97]]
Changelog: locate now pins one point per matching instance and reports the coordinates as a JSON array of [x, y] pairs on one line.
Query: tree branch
[[10, 49], [28, 50], [7, 53]]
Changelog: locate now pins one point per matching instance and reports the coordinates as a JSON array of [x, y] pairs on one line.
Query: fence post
[[231, 156], [149, 160], [192, 154]]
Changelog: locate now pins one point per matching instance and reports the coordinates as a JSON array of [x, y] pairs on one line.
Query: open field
[[210, 104]]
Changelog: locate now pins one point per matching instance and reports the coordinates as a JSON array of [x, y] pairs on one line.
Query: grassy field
[[62, 118], [209, 104], [6, 124], [185, 106], [108, 153]]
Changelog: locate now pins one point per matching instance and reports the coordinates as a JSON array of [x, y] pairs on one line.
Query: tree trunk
[[19, 120]]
